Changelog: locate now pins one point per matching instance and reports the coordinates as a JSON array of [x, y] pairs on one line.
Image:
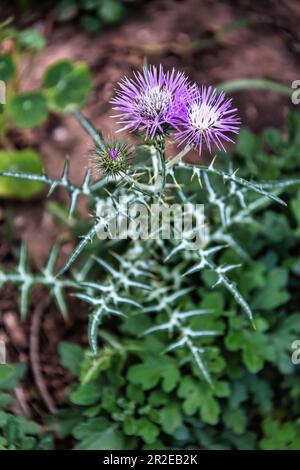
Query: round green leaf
[[56, 73], [67, 10], [89, 4], [25, 161], [28, 109], [7, 67], [111, 11], [5, 371], [86, 394], [67, 85], [91, 24], [32, 39]]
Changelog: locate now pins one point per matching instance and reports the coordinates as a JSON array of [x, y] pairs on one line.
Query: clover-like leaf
[[274, 292], [170, 418], [28, 109], [71, 356], [280, 436], [32, 38], [149, 373], [67, 85], [111, 11], [98, 434]]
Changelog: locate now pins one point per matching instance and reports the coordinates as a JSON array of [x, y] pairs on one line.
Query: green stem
[[159, 186], [159, 145], [174, 161], [256, 187], [88, 127], [142, 188], [254, 83]]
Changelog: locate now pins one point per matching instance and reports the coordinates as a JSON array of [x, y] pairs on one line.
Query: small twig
[[34, 354], [21, 399]]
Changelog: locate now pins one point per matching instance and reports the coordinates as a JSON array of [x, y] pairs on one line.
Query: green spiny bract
[[113, 160]]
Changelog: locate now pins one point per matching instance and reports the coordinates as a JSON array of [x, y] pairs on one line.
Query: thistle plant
[[151, 275]]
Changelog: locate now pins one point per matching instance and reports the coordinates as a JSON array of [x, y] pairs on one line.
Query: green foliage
[[111, 11], [67, 85], [256, 348], [93, 14], [149, 373], [91, 24], [18, 432], [98, 434], [284, 436], [63, 90], [7, 67], [32, 39], [28, 109], [184, 367], [275, 293], [24, 279], [71, 357], [186, 327], [152, 400], [21, 161]]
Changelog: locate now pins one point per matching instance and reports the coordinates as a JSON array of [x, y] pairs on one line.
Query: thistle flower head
[[113, 153], [112, 161], [207, 117], [151, 101]]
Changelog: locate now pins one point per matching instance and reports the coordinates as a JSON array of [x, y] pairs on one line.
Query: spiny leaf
[[86, 239], [256, 187], [95, 134], [63, 182], [24, 279], [231, 287]]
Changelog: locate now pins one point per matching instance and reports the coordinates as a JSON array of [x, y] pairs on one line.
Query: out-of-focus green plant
[[16, 431], [65, 87], [23, 160], [93, 14], [65, 84]]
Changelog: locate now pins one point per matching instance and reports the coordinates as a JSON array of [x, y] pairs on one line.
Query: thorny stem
[[230, 177], [174, 161], [140, 187], [159, 145], [97, 137]]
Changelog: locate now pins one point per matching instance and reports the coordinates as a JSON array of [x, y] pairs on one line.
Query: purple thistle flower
[[113, 154], [151, 101], [207, 117]]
